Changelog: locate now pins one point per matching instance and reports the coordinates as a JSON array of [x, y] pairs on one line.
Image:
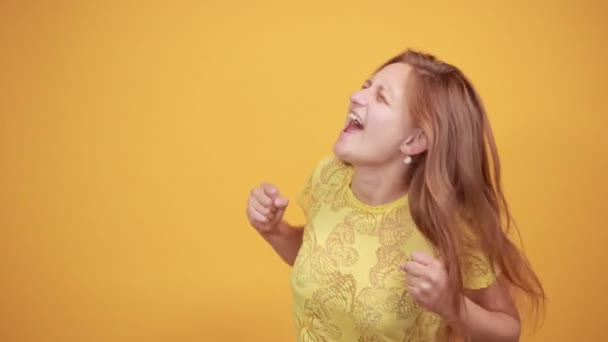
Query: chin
[[357, 157], [339, 149], [343, 153]]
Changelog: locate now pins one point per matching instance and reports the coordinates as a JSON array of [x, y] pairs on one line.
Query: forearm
[[475, 323], [286, 241]]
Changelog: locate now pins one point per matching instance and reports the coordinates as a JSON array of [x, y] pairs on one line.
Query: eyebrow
[[381, 88]]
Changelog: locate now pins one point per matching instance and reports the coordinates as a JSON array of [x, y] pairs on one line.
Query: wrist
[[281, 228], [454, 315]]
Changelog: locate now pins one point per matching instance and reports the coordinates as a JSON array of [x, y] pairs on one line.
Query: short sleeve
[[477, 272], [304, 197], [307, 198]]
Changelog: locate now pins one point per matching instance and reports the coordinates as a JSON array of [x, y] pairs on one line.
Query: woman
[[406, 234]]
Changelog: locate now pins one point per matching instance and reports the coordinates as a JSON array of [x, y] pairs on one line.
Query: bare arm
[[488, 315], [265, 210], [285, 240]]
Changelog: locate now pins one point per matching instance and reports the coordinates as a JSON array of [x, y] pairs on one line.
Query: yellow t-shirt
[[346, 280]]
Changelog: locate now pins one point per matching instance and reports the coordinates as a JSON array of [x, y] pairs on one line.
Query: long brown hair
[[458, 179]]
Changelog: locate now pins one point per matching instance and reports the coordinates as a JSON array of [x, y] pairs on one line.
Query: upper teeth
[[354, 117]]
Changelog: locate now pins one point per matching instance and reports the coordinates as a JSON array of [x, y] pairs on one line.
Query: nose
[[358, 98]]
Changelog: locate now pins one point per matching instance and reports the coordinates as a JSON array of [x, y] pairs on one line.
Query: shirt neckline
[[401, 201]]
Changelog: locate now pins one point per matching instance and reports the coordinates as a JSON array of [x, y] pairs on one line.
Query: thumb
[[280, 203]]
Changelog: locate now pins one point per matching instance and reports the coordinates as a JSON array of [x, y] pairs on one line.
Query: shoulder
[[315, 187], [477, 270], [329, 160], [330, 168]]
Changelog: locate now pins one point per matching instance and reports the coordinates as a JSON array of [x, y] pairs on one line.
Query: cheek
[[388, 130]]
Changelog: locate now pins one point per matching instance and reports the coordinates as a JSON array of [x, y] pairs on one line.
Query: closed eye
[[381, 96], [380, 92]]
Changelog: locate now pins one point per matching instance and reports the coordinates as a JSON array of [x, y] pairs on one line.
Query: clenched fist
[[265, 208], [427, 283]]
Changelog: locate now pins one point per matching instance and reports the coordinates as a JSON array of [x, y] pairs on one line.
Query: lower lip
[[351, 126]]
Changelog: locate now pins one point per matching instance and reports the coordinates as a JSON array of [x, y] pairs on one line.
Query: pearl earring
[[407, 159]]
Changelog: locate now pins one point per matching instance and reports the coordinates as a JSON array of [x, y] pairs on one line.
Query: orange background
[[131, 133]]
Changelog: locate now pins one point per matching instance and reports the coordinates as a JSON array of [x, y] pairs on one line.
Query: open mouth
[[354, 123]]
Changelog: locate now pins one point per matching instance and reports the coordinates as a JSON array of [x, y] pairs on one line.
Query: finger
[[416, 269], [279, 214], [257, 217], [259, 195], [419, 293], [280, 202], [270, 190], [425, 259], [256, 206], [412, 280]]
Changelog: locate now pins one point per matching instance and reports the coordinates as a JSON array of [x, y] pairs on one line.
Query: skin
[[376, 153]]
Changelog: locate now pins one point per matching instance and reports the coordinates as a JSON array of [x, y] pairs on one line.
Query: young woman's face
[[378, 122]]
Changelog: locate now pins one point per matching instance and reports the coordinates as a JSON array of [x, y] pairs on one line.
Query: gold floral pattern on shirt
[[364, 309], [427, 327], [319, 265], [395, 228], [333, 184], [347, 275], [476, 272]]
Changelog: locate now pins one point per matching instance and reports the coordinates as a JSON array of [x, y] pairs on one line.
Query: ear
[[415, 144]]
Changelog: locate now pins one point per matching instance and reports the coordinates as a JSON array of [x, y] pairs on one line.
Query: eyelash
[[379, 96]]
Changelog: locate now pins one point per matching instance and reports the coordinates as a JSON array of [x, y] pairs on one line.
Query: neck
[[379, 184]]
